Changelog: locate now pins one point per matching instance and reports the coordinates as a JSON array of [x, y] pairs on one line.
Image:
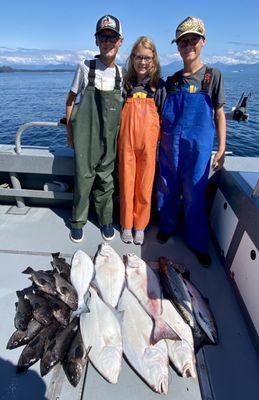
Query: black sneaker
[[76, 235], [107, 232], [163, 237], [204, 258]]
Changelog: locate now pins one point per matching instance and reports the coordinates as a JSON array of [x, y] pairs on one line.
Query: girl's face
[[142, 62]]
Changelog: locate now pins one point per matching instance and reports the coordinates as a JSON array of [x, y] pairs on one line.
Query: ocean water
[[32, 96]]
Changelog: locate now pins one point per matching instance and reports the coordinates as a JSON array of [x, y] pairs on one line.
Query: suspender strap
[[117, 85], [146, 89], [206, 80], [172, 82], [91, 73]]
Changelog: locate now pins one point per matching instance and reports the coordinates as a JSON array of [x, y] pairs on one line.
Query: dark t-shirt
[[141, 87], [216, 88]]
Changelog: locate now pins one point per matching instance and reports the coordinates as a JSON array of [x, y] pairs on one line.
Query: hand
[[218, 160]]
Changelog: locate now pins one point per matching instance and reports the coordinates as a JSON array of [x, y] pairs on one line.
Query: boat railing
[[40, 160], [22, 128]]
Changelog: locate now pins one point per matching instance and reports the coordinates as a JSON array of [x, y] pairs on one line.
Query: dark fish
[[202, 312], [20, 338], [176, 290], [23, 313], [76, 359], [58, 347], [60, 265], [40, 309], [44, 280], [60, 310], [66, 292], [35, 348]]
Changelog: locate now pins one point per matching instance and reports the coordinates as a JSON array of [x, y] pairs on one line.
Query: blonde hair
[[155, 73]]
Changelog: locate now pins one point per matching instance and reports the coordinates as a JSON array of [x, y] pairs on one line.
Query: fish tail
[[28, 270], [162, 330]]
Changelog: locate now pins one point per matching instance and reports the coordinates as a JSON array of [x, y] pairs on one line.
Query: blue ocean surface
[[40, 96]]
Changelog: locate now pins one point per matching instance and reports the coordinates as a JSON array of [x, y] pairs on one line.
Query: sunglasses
[[193, 40], [139, 58], [103, 37]]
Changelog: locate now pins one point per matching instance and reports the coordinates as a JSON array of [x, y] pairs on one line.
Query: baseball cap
[[109, 22], [189, 25]]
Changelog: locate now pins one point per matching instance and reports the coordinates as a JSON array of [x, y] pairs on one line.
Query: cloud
[[235, 57], [34, 57]]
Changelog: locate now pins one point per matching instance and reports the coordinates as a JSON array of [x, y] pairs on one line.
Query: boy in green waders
[[93, 129]]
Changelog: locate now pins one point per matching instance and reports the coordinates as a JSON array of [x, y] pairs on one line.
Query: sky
[[34, 32]]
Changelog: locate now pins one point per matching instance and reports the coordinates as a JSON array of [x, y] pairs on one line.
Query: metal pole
[[18, 148], [17, 185]]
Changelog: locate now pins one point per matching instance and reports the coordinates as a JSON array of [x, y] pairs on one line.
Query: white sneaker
[[139, 237], [126, 236]]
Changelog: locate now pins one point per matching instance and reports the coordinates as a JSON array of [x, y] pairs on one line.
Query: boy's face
[[190, 45], [108, 42]]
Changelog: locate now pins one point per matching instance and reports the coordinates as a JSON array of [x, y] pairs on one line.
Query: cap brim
[[110, 29], [186, 33]]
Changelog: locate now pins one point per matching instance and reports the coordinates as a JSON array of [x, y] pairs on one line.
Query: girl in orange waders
[[138, 137]]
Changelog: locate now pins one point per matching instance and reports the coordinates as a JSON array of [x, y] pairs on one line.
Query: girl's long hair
[[155, 73]]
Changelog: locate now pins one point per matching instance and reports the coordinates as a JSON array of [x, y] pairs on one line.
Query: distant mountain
[[28, 67], [170, 69]]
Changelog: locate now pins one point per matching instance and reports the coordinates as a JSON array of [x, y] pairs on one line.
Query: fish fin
[[20, 294], [55, 255], [162, 330], [28, 270]]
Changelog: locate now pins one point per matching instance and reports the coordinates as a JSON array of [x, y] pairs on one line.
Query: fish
[[65, 291], [56, 348], [182, 357], [110, 274], [40, 308], [173, 318], [202, 312], [176, 290], [101, 331], [16, 339], [149, 361], [82, 272], [76, 359], [60, 265], [20, 338], [144, 284], [42, 279], [23, 313], [33, 351], [60, 310]]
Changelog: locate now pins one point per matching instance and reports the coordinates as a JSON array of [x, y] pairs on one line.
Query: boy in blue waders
[[192, 112], [93, 129]]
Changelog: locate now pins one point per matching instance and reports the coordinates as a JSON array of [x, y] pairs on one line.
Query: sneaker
[[203, 257], [139, 237], [126, 235], [107, 232], [163, 237], [76, 235]]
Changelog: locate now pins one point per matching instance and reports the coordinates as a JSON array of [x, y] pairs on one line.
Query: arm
[[70, 102], [220, 122]]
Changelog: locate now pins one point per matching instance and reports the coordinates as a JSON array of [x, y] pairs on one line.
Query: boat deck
[[229, 370]]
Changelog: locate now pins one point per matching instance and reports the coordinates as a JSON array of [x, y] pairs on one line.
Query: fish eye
[[79, 352], [64, 290]]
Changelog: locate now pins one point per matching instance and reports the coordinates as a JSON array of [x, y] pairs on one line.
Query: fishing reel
[[239, 112]]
